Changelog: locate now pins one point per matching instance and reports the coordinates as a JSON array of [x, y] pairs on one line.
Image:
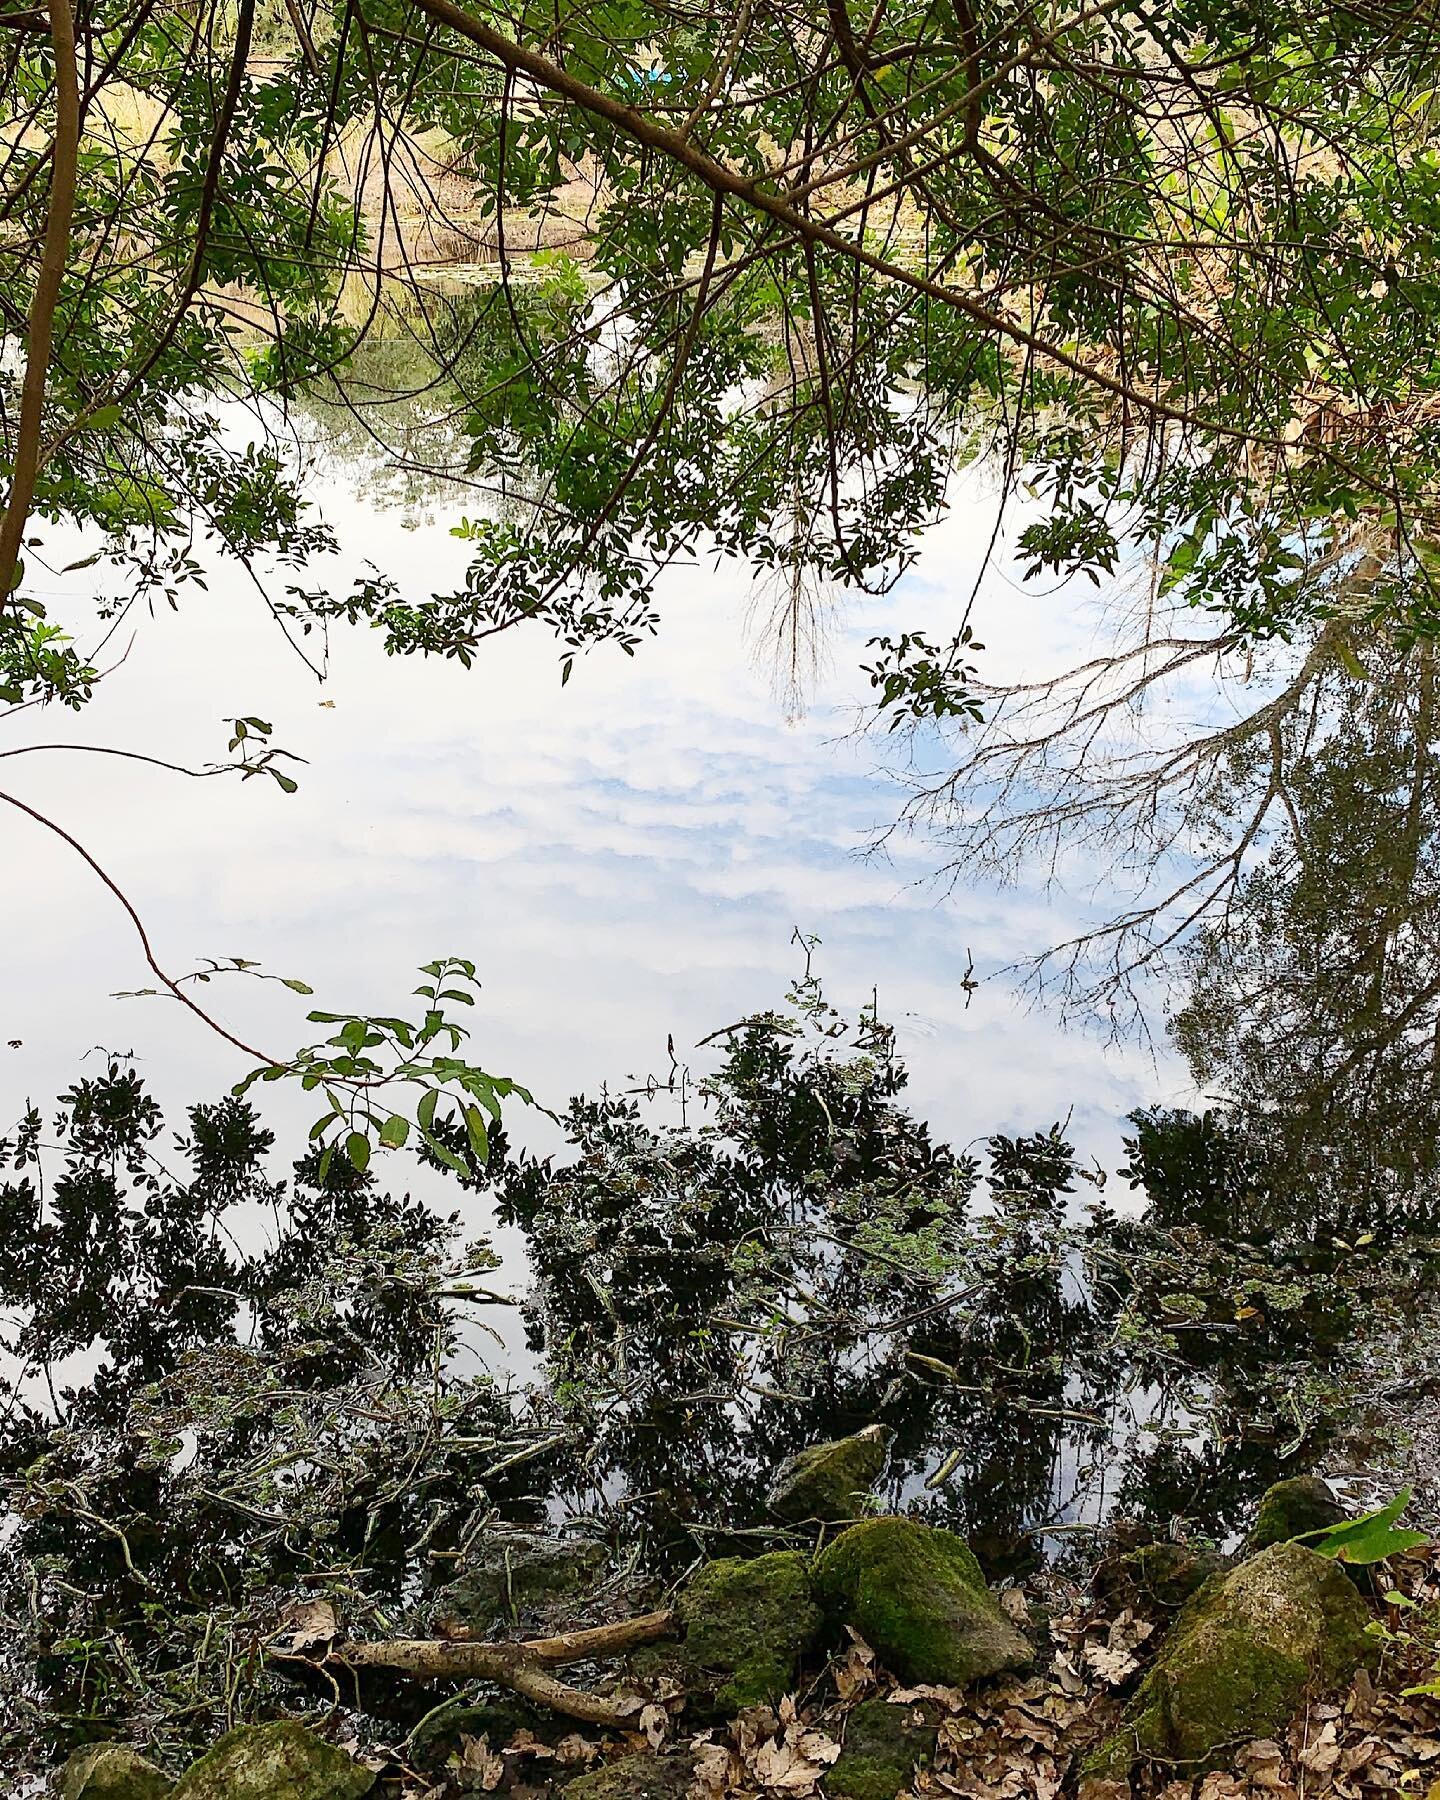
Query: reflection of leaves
[[1369, 1539]]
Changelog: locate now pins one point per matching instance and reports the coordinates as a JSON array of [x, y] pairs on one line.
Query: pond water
[[627, 859], [633, 862]]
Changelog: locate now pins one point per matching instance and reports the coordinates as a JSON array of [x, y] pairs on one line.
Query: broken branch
[[523, 1668]]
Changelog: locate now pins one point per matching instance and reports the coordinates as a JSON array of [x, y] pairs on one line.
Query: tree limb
[[46, 297], [523, 1668]]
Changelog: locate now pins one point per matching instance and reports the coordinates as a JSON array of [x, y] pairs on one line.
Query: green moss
[[111, 1772], [1241, 1657], [279, 1761], [635, 1778], [830, 1481], [918, 1598], [884, 1745], [1109, 1760], [747, 1623], [1292, 1508]]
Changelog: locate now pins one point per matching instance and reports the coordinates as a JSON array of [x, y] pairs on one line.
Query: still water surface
[[628, 860], [625, 859]]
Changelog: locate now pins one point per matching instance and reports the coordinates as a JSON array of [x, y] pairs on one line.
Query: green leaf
[[295, 985], [1350, 662], [1369, 1539], [448, 1157], [394, 1132], [357, 1148], [479, 1137]]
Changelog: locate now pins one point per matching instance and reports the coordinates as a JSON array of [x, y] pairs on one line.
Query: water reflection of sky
[[625, 858]]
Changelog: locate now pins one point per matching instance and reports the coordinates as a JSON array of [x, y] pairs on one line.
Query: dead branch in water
[[524, 1668]]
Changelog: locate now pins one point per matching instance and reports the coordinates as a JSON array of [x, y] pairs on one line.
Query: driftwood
[[524, 1668]]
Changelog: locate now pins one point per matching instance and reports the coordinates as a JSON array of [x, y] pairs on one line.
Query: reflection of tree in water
[[397, 415], [808, 1261], [1280, 852], [715, 1299], [194, 1424], [227, 1388], [1317, 996]]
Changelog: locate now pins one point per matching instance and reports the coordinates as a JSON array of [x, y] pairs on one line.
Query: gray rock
[[830, 1481], [280, 1761], [1154, 1580], [111, 1772], [918, 1598], [636, 1778], [1240, 1658]]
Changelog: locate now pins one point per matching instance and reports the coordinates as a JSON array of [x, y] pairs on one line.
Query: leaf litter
[[1023, 1737]]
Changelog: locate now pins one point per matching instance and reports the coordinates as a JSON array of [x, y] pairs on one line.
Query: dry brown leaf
[[478, 1763], [1014, 1605], [713, 1769], [574, 1747], [857, 1671], [784, 1768], [1322, 1752], [952, 1699], [306, 1625]]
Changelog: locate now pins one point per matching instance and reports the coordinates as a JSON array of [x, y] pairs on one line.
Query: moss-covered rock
[[747, 1623], [279, 1761], [498, 1721], [884, 1745], [830, 1481], [1292, 1508], [512, 1573], [636, 1778], [1155, 1579], [917, 1597], [1240, 1658], [111, 1772]]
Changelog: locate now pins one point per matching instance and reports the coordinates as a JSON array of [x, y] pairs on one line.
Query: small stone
[[498, 1721], [1155, 1579], [279, 1761], [111, 1772], [830, 1481], [917, 1597], [884, 1745], [747, 1623], [1292, 1508]]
